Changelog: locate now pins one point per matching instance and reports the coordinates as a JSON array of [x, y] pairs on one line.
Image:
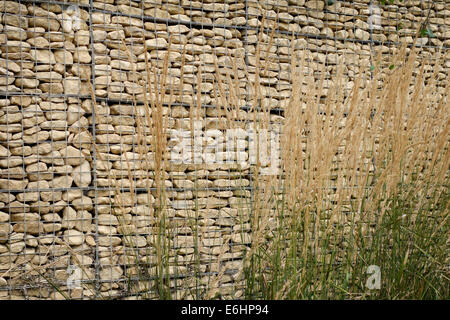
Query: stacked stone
[[77, 177], [121, 75], [342, 32], [205, 204], [45, 160], [328, 30]]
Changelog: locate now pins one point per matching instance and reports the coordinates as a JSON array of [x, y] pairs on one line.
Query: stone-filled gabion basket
[[82, 84]]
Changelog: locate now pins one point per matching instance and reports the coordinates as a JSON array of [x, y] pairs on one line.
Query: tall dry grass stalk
[[364, 181]]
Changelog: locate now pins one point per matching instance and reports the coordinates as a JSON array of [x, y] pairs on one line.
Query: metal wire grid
[[102, 193]]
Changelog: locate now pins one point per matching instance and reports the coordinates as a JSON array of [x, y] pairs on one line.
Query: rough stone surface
[[77, 169], [73, 237], [82, 174]]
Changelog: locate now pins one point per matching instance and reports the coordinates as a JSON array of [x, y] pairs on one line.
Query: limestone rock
[[111, 273], [61, 182], [73, 237], [69, 218], [64, 57], [43, 56], [159, 43], [82, 174], [83, 203], [73, 85], [72, 156]]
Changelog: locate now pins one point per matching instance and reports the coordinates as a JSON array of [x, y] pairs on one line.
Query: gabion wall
[[77, 197]]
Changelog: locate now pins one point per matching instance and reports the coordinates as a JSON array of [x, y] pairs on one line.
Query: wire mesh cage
[[117, 118]]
